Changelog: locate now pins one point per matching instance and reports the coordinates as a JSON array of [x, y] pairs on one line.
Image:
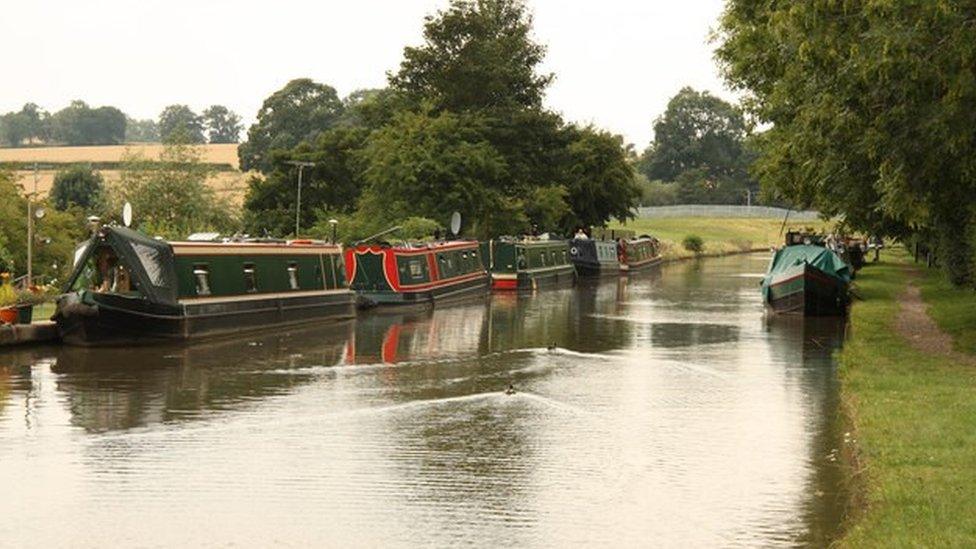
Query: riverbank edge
[[908, 447]]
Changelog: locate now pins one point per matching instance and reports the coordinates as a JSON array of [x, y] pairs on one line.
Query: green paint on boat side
[[511, 257], [271, 273]]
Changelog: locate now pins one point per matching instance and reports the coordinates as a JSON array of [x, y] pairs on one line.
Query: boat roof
[[415, 247]]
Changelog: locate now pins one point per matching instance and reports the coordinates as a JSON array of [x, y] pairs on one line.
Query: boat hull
[[563, 275], [426, 297], [807, 291], [641, 265], [593, 269], [108, 320]]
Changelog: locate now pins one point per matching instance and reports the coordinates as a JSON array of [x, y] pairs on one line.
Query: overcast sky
[[616, 61]]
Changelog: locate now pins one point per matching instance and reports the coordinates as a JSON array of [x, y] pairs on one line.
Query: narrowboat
[[528, 264], [594, 257], [807, 279], [127, 288], [415, 274], [639, 253]]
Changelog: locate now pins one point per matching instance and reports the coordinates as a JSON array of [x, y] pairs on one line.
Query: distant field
[[721, 235], [213, 154], [231, 183]]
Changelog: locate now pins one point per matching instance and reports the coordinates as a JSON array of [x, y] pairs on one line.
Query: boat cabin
[[383, 274]]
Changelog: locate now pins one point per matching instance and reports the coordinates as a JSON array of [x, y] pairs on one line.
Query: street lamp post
[[333, 222], [298, 196]]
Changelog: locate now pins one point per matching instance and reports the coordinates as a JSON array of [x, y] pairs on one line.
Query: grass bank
[[721, 235], [913, 418]]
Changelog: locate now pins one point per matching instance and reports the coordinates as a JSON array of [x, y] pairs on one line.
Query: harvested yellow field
[[233, 184], [213, 154]]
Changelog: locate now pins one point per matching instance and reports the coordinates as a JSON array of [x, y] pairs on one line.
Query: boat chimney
[[94, 224]]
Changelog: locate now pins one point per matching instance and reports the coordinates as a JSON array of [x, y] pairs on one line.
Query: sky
[[617, 62]]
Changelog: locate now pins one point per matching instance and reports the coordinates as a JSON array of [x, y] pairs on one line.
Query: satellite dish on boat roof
[[127, 214], [455, 223]]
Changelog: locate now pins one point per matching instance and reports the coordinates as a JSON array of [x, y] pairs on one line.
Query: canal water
[[670, 412]]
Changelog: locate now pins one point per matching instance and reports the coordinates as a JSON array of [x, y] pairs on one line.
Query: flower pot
[[25, 313], [9, 315]]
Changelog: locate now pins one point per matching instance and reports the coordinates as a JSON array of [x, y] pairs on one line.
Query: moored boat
[[415, 274], [528, 264], [127, 288], [594, 257], [807, 279], [639, 253]]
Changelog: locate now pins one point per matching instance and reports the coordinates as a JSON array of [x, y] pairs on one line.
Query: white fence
[[710, 210]]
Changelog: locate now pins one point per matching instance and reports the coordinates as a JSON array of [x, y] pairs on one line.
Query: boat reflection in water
[[114, 388]]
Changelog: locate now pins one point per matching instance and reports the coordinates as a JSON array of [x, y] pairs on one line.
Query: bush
[[694, 244], [79, 185]]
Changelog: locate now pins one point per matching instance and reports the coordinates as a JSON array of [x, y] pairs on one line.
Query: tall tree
[[477, 54], [601, 183], [28, 124], [79, 124], [170, 195], [697, 131], [179, 124], [334, 183], [223, 125], [870, 111], [431, 165], [79, 186], [297, 113]]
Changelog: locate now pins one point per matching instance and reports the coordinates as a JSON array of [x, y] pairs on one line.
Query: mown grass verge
[[913, 418], [721, 235]]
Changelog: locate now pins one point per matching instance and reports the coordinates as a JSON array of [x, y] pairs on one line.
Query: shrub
[[694, 244]]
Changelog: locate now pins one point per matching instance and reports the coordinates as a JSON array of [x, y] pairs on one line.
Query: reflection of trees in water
[[806, 346], [121, 388], [688, 334], [561, 317]]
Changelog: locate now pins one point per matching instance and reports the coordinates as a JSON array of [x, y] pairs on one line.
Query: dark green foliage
[[871, 110], [55, 235], [78, 186], [477, 54], [79, 124], [170, 196], [179, 124], [461, 128], [433, 165], [601, 183], [334, 183], [694, 244], [297, 113], [700, 143], [223, 125], [29, 124]]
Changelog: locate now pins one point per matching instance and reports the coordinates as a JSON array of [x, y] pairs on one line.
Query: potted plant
[[8, 304], [26, 299]]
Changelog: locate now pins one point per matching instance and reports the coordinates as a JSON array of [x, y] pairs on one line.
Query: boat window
[[293, 275], [201, 273], [250, 278], [565, 259], [543, 256], [104, 272]]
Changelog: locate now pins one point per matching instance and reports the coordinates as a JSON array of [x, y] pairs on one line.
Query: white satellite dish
[[40, 213], [127, 214], [455, 223]]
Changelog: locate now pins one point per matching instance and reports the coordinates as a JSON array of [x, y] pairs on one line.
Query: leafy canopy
[[80, 186], [297, 113]]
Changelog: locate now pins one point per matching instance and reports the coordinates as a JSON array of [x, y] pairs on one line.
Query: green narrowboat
[[127, 288], [594, 257], [807, 279], [415, 274], [528, 264], [639, 253]]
